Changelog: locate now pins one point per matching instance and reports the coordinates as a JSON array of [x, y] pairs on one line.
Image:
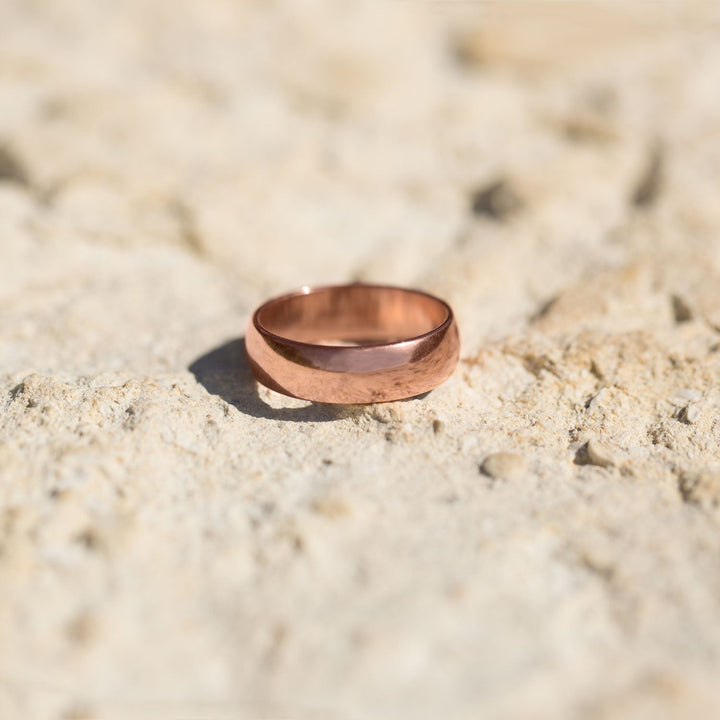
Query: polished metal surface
[[354, 343]]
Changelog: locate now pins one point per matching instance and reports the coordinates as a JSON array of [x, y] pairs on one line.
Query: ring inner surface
[[353, 315]]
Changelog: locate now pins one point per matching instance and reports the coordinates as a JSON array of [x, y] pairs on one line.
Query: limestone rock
[[176, 541], [504, 466]]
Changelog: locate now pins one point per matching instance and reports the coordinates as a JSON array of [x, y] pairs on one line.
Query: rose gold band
[[353, 343]]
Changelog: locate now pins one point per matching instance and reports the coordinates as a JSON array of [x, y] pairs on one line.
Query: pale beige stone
[[601, 453], [177, 542], [504, 466]]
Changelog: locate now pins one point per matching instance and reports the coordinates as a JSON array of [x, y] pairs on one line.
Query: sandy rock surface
[[537, 538]]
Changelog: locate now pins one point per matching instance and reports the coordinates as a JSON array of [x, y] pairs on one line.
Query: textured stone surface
[[175, 541]]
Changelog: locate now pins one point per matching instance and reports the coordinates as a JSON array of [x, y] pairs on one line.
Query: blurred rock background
[[537, 538]]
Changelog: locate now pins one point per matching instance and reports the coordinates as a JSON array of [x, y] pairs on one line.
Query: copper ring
[[354, 343]]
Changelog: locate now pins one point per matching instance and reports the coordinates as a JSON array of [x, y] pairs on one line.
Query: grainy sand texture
[[538, 538]]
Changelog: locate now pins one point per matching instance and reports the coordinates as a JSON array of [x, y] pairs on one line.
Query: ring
[[353, 343]]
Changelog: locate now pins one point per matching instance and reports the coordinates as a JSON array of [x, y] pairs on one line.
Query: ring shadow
[[225, 372]]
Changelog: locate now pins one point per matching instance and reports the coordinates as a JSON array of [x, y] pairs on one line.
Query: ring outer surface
[[359, 374]]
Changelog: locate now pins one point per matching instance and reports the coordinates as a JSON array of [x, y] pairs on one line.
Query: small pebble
[[597, 399], [504, 466], [600, 453], [690, 413]]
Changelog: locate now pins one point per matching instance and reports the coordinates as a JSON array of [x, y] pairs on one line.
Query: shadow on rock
[[225, 372]]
